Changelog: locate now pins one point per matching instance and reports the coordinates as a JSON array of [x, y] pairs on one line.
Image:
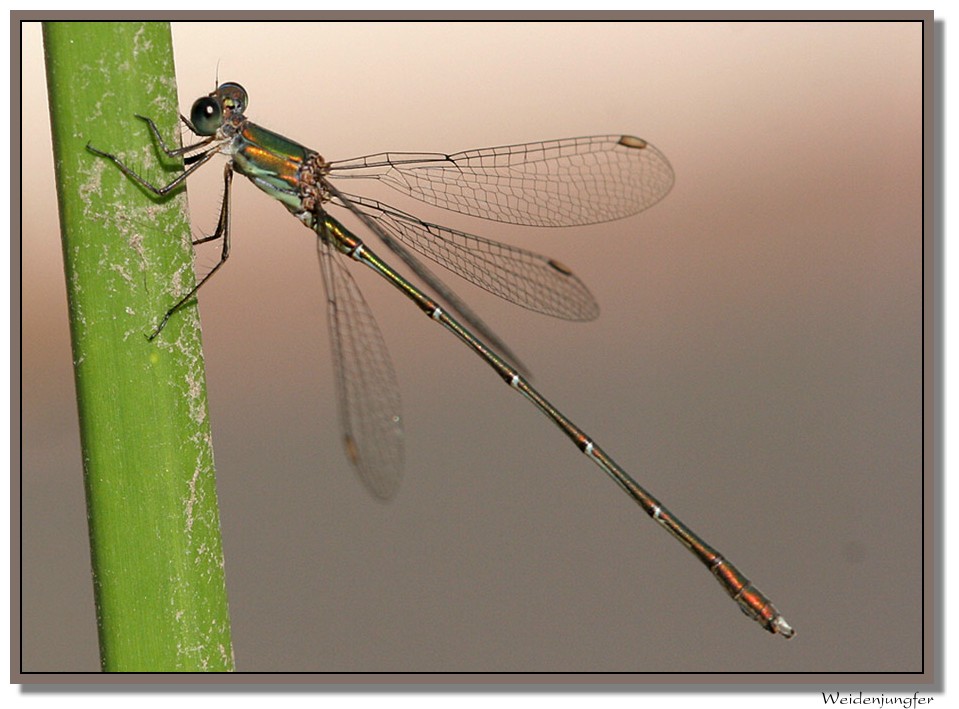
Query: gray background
[[757, 362]]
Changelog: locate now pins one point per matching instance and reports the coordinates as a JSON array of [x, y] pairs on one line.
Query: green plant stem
[[147, 452]]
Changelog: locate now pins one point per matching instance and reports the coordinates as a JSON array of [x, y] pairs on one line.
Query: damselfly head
[[211, 112]]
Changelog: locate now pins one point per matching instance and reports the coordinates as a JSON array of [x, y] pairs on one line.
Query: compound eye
[[206, 116], [233, 96]]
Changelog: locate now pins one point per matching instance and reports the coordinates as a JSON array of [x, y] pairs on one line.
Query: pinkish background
[[757, 362]]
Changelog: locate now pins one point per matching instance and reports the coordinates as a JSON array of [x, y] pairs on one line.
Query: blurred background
[[756, 364]]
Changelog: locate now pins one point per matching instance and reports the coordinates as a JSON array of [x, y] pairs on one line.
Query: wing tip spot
[[631, 141], [352, 452]]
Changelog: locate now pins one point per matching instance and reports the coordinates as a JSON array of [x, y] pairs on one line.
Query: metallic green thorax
[[271, 162]]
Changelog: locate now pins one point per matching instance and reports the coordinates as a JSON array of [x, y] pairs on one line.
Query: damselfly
[[568, 182]]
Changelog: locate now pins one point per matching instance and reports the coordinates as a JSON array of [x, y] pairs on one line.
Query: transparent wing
[[522, 277], [429, 280], [567, 182], [366, 386]]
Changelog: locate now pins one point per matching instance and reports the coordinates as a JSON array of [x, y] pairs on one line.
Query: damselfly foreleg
[[198, 161]]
